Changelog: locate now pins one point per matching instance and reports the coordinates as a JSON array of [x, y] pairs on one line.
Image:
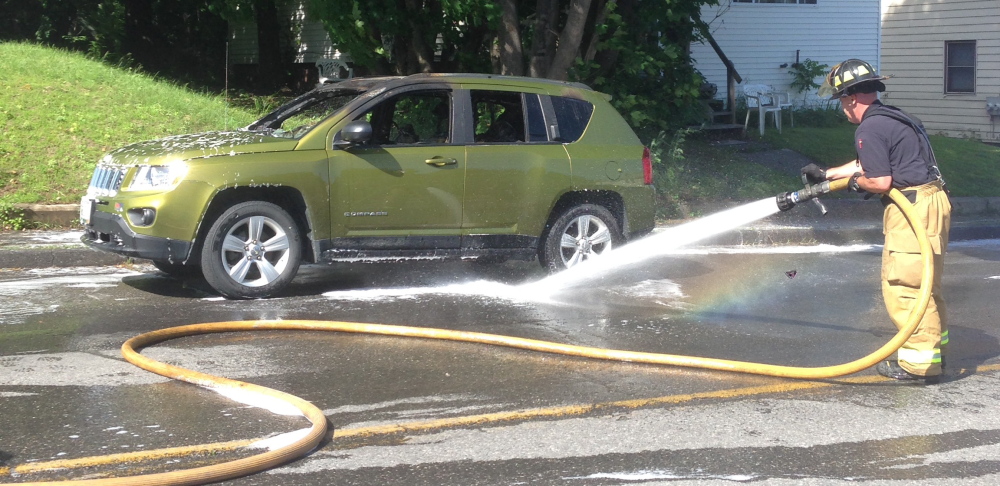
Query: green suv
[[426, 166]]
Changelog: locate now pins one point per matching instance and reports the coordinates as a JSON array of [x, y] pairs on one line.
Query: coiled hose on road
[[318, 430]]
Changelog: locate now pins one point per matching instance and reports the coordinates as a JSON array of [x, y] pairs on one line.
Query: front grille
[[106, 181]]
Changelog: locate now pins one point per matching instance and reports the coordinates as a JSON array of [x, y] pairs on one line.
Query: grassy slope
[[60, 112]]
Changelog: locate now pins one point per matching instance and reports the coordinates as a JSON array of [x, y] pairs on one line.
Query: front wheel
[[579, 234], [253, 250]]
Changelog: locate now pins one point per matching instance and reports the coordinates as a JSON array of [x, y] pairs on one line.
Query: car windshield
[[297, 117]]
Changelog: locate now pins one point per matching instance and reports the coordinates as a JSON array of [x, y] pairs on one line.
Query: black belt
[[911, 195]]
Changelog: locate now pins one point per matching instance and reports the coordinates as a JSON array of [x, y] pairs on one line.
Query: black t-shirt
[[888, 147]]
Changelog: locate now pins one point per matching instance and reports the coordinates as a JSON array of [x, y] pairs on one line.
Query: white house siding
[[760, 37], [914, 35], [312, 41]]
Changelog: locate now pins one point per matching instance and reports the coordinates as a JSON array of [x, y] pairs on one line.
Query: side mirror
[[355, 133]]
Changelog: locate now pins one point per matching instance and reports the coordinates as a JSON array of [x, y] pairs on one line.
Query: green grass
[[60, 112], [828, 146], [970, 167], [696, 173], [692, 173]]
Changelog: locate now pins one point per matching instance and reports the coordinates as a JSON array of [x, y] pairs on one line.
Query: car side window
[[421, 117], [573, 115], [499, 116]]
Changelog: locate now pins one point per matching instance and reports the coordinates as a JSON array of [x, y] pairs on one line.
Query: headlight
[[157, 176]]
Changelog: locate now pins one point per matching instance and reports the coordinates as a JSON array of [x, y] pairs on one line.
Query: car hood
[[196, 146]]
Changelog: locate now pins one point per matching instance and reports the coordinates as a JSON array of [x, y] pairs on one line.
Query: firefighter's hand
[[853, 186], [814, 174]]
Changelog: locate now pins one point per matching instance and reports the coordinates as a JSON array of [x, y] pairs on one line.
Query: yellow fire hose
[[315, 434]]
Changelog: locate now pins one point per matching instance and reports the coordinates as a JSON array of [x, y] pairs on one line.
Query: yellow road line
[[573, 410], [125, 457], [468, 420]]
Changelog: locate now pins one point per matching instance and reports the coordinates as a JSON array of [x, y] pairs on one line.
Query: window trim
[[948, 66]]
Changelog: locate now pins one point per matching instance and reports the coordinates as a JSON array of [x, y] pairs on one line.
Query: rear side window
[[499, 116], [573, 116]]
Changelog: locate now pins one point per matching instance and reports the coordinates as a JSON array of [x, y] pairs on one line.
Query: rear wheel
[[252, 251], [579, 234]]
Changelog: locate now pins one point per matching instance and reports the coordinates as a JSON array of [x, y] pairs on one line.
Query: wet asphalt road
[[66, 393]]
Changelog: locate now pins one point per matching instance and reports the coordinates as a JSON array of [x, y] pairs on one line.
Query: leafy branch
[[804, 74]]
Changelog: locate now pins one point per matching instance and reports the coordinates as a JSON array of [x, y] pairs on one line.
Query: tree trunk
[[544, 43], [268, 43], [138, 23], [569, 40], [509, 37], [420, 54], [602, 8]]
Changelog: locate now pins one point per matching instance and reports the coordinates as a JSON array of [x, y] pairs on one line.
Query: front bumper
[[108, 232]]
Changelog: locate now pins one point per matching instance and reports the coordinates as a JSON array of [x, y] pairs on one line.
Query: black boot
[[891, 369]]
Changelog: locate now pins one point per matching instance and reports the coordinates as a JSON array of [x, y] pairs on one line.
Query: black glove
[[852, 185], [814, 174]]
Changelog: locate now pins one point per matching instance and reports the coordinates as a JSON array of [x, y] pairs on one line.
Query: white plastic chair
[[762, 98], [785, 102], [331, 70]]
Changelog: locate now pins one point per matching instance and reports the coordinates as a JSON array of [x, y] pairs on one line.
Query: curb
[[59, 258], [51, 214]]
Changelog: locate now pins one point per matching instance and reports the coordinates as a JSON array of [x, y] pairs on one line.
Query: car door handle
[[440, 161]]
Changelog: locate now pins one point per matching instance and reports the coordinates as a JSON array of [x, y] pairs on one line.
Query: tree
[[411, 36], [181, 39], [269, 60], [636, 50], [633, 49]]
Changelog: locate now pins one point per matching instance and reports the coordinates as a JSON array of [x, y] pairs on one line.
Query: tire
[[252, 251], [580, 233], [177, 270]]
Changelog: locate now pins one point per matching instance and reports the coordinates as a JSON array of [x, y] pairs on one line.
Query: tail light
[[647, 166]]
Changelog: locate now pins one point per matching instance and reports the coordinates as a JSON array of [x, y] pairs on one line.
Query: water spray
[[663, 242]]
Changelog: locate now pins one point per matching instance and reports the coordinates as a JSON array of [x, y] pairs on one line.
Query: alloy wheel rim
[[583, 239], [255, 251]]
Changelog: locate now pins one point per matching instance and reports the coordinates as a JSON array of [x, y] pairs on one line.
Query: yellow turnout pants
[[901, 271]]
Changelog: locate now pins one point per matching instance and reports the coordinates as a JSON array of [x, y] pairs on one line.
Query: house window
[[960, 67], [794, 2]]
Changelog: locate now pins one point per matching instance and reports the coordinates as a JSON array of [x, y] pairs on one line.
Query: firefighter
[[894, 152]]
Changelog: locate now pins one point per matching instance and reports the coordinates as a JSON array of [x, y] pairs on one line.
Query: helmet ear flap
[[828, 89]]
